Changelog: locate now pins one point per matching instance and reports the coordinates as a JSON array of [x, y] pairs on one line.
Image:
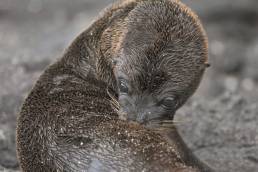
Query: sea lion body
[[70, 120]]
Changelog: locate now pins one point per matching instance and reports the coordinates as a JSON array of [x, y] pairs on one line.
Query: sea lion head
[[161, 59]]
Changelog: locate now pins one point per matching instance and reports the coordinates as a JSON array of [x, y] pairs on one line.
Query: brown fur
[[69, 122]]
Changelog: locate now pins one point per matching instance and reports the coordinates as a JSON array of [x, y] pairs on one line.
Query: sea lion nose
[[142, 117]]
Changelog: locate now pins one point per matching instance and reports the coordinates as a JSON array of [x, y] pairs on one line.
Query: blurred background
[[219, 123]]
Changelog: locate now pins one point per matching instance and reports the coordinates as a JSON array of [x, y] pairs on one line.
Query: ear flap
[[207, 65]]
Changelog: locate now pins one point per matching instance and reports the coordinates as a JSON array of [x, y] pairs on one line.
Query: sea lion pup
[[101, 107]]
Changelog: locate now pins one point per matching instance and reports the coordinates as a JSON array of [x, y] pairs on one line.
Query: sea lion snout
[[143, 109]]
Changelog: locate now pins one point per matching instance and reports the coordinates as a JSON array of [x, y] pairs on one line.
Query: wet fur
[[69, 121]]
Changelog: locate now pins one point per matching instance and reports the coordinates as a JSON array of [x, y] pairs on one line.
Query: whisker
[[173, 121], [114, 102], [117, 107], [159, 124]]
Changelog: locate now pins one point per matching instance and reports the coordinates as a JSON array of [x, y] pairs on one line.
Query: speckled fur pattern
[[69, 122]]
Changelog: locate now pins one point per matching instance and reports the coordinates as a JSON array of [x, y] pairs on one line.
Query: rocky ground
[[219, 123]]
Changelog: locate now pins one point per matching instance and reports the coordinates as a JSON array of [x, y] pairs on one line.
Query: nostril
[[141, 118]]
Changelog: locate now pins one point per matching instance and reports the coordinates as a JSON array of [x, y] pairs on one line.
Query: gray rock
[[222, 132]]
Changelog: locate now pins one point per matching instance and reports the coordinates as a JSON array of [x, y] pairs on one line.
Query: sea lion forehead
[[151, 80]]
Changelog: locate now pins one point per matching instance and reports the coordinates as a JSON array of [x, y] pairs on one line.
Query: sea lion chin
[[141, 60]]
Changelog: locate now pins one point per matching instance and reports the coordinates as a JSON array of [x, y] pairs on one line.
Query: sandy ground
[[219, 123]]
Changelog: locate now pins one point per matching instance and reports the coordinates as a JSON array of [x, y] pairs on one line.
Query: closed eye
[[123, 87], [168, 103]]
